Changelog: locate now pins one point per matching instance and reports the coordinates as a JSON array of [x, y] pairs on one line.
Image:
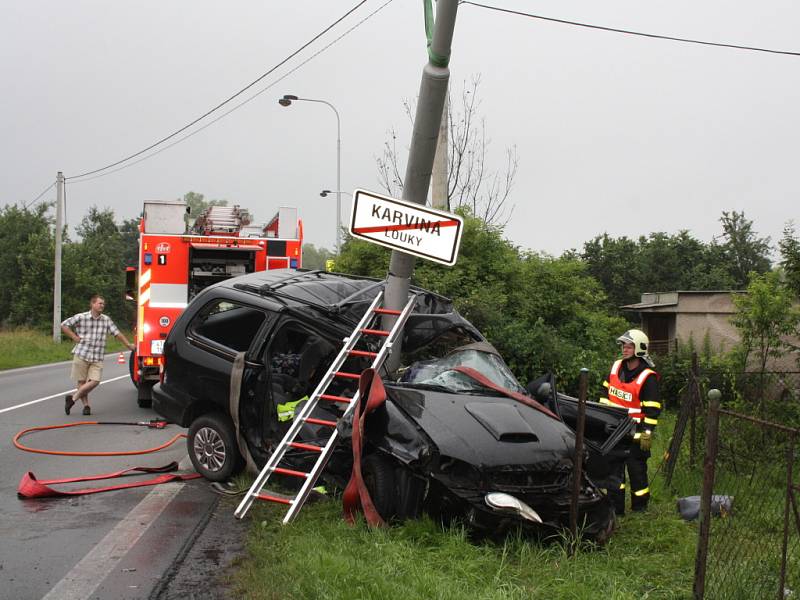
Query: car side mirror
[[544, 391]]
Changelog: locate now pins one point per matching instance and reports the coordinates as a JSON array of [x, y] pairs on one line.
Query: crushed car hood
[[485, 431]]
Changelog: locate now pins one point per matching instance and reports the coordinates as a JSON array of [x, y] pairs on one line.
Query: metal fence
[[746, 467]]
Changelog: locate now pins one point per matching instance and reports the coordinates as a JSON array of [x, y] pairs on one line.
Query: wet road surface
[[120, 544]]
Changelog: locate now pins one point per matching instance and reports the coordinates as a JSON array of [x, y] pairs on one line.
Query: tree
[[765, 315], [129, 234], [743, 251], [24, 239], [314, 258], [471, 182], [96, 266], [197, 203], [790, 258]]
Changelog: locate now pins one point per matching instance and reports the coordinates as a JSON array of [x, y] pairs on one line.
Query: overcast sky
[[614, 133]]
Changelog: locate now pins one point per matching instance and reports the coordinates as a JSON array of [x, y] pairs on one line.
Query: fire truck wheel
[[144, 396], [131, 367], [212, 447]]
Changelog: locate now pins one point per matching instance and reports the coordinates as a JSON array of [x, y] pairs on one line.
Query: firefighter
[[633, 385]]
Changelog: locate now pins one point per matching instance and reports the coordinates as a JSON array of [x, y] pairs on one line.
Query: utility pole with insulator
[[57, 261]]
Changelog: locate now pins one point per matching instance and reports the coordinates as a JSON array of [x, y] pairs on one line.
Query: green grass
[[27, 347], [650, 556]]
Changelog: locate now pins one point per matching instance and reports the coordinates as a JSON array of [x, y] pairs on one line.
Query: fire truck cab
[[178, 258]]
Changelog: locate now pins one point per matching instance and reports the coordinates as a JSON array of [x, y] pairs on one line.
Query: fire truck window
[[229, 324]]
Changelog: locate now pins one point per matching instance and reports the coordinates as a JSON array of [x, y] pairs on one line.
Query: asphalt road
[[120, 544]]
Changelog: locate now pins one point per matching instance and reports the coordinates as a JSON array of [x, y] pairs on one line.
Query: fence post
[[694, 400], [789, 498], [577, 469], [709, 463]]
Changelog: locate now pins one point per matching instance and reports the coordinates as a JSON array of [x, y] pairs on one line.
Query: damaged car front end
[[492, 461]]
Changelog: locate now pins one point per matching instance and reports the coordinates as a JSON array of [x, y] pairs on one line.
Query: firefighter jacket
[[636, 391]]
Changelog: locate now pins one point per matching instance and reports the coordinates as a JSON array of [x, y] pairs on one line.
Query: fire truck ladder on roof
[[349, 350]]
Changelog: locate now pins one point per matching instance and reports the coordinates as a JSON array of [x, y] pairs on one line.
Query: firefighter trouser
[[636, 464]]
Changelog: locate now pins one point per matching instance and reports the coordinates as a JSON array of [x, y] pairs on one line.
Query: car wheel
[[212, 447], [378, 473]]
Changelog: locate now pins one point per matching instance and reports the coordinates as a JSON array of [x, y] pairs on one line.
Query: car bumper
[[168, 406]]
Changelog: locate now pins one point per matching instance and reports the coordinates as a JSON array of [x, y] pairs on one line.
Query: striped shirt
[[93, 332]]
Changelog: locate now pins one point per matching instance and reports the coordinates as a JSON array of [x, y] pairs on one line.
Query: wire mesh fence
[[751, 546]]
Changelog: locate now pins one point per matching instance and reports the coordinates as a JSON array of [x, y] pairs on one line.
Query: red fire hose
[[30, 487], [151, 424]]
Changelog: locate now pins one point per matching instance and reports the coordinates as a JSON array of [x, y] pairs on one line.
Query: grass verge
[[650, 556], [28, 347]]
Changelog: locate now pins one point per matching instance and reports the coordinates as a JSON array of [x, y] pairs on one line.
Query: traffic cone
[[121, 358]]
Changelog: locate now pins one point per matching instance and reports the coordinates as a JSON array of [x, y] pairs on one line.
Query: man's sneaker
[[87, 410], [68, 402]]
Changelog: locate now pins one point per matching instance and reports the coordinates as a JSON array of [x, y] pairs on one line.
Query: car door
[[218, 332]]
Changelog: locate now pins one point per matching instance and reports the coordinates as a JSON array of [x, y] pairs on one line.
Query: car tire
[[212, 447], [379, 477]]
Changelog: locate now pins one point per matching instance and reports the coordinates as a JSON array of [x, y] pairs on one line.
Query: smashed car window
[[230, 324], [441, 372]]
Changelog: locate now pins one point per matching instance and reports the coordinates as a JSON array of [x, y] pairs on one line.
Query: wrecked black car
[[458, 436]]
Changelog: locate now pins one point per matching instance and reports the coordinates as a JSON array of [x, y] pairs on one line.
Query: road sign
[[406, 226]]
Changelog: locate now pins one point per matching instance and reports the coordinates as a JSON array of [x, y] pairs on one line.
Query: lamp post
[[287, 101]]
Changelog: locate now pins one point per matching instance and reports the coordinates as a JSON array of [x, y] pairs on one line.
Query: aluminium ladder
[[348, 350]]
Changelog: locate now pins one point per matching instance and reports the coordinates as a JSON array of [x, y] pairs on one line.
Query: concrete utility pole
[[428, 120], [439, 184], [57, 270]]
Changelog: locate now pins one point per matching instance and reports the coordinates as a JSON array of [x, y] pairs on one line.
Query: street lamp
[[287, 101]]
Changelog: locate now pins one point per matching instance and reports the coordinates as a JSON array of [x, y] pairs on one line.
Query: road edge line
[[86, 576]]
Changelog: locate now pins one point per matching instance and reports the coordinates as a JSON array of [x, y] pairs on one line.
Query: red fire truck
[[177, 260]]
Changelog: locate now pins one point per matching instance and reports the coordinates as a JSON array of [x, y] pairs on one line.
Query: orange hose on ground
[[25, 432]]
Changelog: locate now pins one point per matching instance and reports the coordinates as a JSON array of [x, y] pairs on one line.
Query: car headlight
[[508, 503]]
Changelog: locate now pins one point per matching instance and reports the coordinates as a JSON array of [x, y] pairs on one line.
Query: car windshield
[[441, 372]]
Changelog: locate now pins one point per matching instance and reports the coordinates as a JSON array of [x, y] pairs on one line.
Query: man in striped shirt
[[89, 331]]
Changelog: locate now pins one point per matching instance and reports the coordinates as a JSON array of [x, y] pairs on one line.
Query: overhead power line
[[241, 104], [224, 102], [629, 32], [49, 187]]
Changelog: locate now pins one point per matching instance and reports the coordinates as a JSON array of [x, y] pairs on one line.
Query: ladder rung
[[375, 332], [387, 311], [333, 398], [347, 375], [314, 421], [363, 353], [277, 499], [283, 471], [301, 446]]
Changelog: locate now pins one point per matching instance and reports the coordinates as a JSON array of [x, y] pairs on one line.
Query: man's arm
[[121, 337], [651, 403], [70, 334]]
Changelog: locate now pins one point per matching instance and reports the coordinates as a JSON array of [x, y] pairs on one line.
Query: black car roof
[[330, 292]]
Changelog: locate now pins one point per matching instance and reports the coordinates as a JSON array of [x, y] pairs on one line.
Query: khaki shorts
[[83, 370]]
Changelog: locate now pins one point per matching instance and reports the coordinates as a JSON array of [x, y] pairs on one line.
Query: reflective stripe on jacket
[[626, 395]]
